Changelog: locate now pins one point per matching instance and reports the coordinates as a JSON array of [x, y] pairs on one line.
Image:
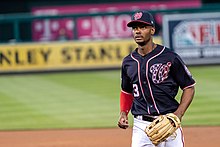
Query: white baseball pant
[[140, 138]]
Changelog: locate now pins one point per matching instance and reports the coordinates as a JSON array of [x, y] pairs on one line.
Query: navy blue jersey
[[154, 80]]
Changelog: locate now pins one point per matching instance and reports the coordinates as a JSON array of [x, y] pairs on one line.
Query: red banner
[[97, 27]]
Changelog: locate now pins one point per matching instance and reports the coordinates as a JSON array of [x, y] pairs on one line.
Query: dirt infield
[[194, 137]]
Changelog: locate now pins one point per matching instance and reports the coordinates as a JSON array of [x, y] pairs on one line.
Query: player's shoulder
[[172, 55], [168, 50], [128, 57], [127, 60]]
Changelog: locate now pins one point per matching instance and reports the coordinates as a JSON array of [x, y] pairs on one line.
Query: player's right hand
[[123, 121]]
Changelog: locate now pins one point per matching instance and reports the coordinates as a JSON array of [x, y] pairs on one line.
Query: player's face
[[142, 33]]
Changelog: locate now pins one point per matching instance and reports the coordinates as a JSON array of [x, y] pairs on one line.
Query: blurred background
[[76, 47]]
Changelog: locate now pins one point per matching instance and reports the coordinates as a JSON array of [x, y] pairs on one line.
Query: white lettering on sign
[[103, 27], [189, 53], [211, 52]]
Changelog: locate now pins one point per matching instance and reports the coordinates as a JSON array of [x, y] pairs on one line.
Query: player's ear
[[152, 30]]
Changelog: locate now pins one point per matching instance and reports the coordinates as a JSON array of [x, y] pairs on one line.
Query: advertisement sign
[[195, 37], [96, 27], [102, 27], [53, 29], [39, 57]]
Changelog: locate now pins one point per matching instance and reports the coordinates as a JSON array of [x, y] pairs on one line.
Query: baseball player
[[150, 78]]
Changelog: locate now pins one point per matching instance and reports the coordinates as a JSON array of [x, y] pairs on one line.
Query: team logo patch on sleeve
[[160, 72]]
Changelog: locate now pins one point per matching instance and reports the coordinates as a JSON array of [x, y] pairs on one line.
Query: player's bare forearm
[[186, 99]]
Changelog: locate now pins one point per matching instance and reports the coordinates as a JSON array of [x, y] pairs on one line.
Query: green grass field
[[89, 100]]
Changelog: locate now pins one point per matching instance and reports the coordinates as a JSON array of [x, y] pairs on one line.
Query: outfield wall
[[58, 56]]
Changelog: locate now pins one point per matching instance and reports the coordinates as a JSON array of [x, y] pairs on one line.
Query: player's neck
[[144, 50]]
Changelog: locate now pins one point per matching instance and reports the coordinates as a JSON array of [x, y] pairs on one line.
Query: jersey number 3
[[136, 91]]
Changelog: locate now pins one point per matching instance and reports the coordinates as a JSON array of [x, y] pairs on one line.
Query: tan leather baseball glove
[[162, 127]]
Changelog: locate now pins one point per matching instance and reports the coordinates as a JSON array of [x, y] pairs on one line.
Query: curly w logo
[[160, 72], [138, 15]]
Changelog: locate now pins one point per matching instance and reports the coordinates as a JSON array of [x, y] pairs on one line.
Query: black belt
[[145, 117]]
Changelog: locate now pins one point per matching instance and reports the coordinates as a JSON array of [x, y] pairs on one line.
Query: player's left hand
[[179, 116], [123, 121]]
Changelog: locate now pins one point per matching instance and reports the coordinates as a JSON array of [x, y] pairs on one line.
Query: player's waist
[[145, 117]]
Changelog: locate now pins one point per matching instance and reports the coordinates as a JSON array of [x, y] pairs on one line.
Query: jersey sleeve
[[125, 80], [181, 73]]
